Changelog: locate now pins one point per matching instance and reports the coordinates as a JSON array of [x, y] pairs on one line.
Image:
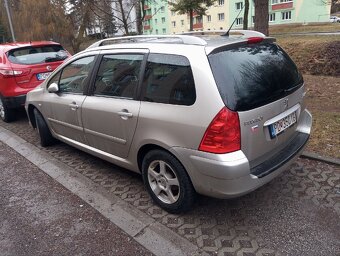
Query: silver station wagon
[[208, 114]]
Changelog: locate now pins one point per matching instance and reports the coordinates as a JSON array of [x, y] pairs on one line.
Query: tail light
[[8, 72], [254, 40], [223, 134]]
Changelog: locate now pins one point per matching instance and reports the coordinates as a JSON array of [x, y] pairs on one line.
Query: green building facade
[[283, 11], [156, 21]]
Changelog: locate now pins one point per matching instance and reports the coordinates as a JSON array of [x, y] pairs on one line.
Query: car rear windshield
[[37, 54], [251, 76]]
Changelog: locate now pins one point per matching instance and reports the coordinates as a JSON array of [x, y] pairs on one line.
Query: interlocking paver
[[298, 213]]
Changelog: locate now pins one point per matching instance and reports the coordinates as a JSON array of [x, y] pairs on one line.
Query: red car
[[23, 66]]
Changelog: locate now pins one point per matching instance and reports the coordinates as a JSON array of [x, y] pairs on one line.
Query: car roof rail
[[245, 33], [184, 39]]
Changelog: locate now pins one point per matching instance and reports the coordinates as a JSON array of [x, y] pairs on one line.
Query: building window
[[156, 31], [162, 9], [272, 17], [173, 24], [163, 20], [220, 2], [156, 21], [239, 5], [173, 13], [182, 23], [239, 21], [253, 19], [220, 16], [164, 31], [275, 1], [209, 18], [286, 15]]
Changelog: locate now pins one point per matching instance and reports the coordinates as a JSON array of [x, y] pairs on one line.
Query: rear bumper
[[15, 102], [230, 175]]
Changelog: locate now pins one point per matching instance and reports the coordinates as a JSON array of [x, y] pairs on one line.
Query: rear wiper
[[56, 58], [292, 88]]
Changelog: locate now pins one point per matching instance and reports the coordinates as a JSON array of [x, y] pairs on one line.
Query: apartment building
[[222, 14], [156, 20]]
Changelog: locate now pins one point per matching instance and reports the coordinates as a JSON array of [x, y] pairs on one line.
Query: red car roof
[[9, 46]]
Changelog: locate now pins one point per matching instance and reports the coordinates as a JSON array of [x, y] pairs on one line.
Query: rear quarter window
[[251, 76], [168, 79]]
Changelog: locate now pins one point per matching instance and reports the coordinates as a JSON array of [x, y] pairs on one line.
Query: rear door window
[[37, 54], [118, 75], [168, 79], [251, 76]]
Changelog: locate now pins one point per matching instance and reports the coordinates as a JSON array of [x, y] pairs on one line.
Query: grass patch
[[316, 55], [298, 28], [325, 137]]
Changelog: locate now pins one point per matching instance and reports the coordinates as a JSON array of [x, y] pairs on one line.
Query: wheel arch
[[30, 114]]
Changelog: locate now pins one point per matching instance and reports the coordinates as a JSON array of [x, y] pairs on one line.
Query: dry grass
[[316, 55], [323, 100], [298, 28]]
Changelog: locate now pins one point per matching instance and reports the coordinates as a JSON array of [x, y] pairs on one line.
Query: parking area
[[297, 213]]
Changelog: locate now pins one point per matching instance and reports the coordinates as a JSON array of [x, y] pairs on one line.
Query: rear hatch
[[263, 85], [32, 65]]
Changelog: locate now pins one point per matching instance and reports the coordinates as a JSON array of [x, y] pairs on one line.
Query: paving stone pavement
[[297, 213]]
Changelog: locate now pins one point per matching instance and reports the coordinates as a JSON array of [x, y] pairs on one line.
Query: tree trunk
[[124, 19], [246, 13], [80, 37], [262, 16], [139, 19], [191, 14]]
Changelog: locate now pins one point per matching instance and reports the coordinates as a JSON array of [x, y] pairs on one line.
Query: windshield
[[251, 76], [36, 55]]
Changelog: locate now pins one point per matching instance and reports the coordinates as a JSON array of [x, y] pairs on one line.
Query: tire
[[46, 138], [6, 114], [167, 182]]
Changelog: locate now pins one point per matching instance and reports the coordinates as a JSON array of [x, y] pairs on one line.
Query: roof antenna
[[227, 33]]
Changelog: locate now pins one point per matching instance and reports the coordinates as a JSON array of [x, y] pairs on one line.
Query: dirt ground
[[323, 100]]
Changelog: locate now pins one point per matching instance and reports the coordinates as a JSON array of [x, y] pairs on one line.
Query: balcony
[[288, 5], [148, 17], [197, 26], [147, 27]]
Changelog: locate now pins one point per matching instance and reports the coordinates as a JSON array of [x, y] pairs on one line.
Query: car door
[[110, 113], [65, 105]]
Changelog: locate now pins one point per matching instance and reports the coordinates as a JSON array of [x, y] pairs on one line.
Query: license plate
[[281, 125], [43, 76]]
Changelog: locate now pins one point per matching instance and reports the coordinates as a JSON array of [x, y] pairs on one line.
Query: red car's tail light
[[223, 134], [7, 72]]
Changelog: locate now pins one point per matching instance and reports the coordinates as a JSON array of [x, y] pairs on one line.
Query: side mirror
[[53, 88]]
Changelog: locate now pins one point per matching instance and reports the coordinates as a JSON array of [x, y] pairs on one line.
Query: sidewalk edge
[[153, 235]]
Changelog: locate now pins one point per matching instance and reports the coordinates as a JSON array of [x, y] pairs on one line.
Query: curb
[[314, 156], [154, 236]]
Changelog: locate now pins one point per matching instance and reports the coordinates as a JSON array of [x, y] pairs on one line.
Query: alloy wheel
[[163, 182]]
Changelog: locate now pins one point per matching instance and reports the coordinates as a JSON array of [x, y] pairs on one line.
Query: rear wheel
[[6, 113], [167, 181], [46, 138]]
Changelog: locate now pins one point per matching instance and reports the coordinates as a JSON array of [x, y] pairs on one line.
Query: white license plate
[[43, 76], [281, 125]]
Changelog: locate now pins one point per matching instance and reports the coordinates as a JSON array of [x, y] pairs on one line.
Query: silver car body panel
[[115, 129]]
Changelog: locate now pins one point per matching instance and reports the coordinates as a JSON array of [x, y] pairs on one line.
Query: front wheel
[[46, 138], [167, 182]]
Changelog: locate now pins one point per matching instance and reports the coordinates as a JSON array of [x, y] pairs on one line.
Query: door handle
[[125, 114], [74, 105]]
